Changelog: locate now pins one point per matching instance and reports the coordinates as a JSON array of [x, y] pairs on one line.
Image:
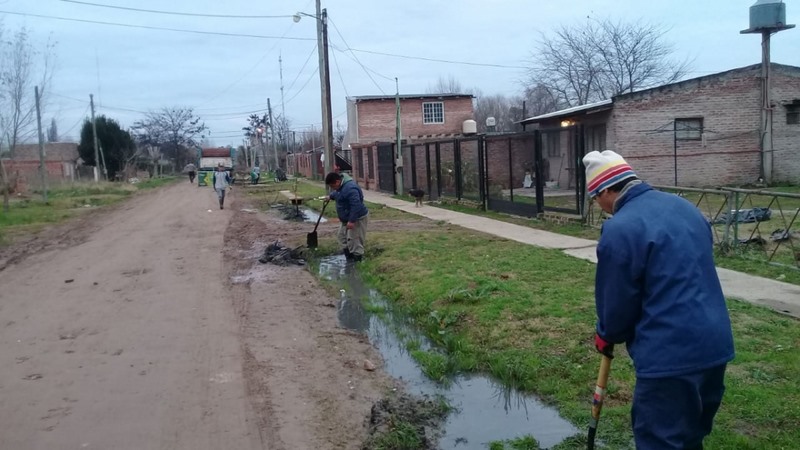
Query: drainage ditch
[[484, 410]]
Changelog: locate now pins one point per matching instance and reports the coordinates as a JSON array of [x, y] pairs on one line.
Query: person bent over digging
[[352, 212], [657, 291]]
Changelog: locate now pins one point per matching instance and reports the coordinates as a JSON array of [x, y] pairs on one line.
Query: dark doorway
[[386, 168]]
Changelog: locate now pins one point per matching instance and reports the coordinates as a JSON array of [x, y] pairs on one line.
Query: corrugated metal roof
[[570, 111]]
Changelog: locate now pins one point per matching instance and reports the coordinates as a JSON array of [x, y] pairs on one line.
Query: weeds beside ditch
[[526, 316]]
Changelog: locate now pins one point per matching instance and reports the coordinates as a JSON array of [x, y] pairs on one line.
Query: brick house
[[61, 159], [699, 132], [371, 129]]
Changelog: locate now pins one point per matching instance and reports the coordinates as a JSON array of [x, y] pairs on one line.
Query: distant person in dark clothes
[[352, 212], [191, 170], [657, 291], [221, 180]]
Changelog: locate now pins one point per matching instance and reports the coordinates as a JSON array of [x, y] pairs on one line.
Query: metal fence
[[519, 173], [754, 224]]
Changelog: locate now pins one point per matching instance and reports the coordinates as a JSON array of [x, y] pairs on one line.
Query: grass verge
[[31, 213], [526, 316]]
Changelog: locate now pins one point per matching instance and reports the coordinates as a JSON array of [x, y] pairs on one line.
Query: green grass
[[750, 262], [152, 183], [526, 315], [30, 213]]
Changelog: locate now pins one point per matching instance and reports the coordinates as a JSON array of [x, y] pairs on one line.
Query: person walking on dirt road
[[657, 291], [221, 181], [191, 170], [352, 212]]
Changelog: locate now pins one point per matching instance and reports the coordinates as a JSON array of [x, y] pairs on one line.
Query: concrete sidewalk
[[782, 297]]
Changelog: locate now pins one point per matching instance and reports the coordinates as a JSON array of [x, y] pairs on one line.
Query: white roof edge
[[567, 111]]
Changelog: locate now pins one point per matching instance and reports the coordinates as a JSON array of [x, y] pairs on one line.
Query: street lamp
[[324, 82]]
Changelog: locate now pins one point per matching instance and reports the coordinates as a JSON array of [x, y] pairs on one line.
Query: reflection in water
[[485, 410]]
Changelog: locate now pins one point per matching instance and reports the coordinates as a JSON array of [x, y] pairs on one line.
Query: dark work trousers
[[676, 413]]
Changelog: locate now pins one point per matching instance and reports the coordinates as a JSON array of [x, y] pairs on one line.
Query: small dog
[[418, 194]]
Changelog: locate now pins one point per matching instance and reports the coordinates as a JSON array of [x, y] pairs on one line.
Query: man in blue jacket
[[352, 212], [657, 291]]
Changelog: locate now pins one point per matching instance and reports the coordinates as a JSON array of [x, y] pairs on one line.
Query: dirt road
[[135, 337]]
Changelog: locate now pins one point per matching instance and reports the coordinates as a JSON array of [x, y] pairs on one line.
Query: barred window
[[793, 114], [432, 112], [689, 129]]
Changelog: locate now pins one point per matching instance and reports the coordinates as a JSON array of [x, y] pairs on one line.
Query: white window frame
[[430, 117]]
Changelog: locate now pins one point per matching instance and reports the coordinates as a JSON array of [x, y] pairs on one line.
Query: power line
[[83, 118], [422, 58], [227, 16], [341, 79], [302, 68], [126, 25], [304, 85], [359, 62], [233, 114], [251, 69]]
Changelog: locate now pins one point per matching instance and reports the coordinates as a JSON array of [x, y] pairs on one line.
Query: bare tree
[[22, 66], [539, 99], [339, 133], [177, 127], [449, 85], [52, 131], [597, 60], [256, 131], [498, 106]]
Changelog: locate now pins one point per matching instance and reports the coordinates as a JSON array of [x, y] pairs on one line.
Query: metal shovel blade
[[311, 240]]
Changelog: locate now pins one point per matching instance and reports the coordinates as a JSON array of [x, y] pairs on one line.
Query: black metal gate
[[386, 168], [523, 173], [509, 164]]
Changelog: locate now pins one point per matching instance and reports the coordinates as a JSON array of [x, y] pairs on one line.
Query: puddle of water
[[309, 215], [295, 213], [485, 410]]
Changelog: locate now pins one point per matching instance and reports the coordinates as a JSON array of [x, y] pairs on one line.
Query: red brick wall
[[522, 155], [376, 118], [366, 179], [728, 154], [785, 138], [303, 165]]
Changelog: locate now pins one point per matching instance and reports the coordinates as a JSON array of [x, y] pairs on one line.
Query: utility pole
[[272, 133], [325, 86], [398, 173], [42, 166], [294, 155], [285, 137], [313, 155], [94, 139], [767, 17]]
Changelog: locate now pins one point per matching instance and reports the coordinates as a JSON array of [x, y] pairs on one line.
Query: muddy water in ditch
[[485, 410]]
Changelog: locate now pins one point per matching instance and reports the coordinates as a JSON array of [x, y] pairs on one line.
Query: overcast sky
[[133, 70]]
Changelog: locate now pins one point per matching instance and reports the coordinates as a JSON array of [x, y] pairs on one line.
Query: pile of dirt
[[402, 421], [277, 253]]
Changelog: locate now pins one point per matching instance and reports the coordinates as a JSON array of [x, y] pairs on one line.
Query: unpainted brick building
[[700, 132], [371, 129]]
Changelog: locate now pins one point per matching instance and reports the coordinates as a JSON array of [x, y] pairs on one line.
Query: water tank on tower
[[767, 14], [469, 127]]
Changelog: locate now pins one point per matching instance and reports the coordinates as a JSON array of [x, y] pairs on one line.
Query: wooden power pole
[[94, 139], [42, 166]]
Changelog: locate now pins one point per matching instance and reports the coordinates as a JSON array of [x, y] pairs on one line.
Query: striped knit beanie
[[604, 170]]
